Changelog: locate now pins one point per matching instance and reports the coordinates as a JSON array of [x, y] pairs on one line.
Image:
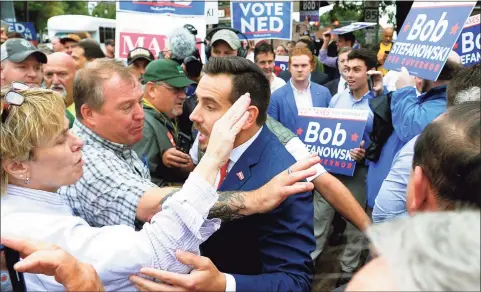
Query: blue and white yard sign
[[27, 29], [184, 8], [353, 27], [262, 20], [282, 62], [332, 133], [468, 46], [427, 37]]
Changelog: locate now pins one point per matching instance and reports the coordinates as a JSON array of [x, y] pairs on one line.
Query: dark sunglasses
[[13, 98]]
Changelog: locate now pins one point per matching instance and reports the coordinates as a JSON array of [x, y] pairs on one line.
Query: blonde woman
[[39, 155]]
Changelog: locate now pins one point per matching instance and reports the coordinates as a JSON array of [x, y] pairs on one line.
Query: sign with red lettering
[[138, 30], [331, 133], [468, 45], [427, 37]]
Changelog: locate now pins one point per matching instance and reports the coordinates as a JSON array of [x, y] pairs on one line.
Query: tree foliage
[[105, 6], [40, 11]]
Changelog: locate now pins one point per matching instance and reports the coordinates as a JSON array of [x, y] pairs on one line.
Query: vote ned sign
[[185, 8], [262, 20], [468, 45], [427, 37], [27, 29], [332, 133]]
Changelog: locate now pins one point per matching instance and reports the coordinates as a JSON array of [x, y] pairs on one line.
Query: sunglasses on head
[[13, 97]]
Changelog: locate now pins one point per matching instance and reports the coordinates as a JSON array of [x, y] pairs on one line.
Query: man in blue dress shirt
[[391, 201], [410, 115]]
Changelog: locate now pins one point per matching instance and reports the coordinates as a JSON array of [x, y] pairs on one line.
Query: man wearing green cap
[[22, 62], [164, 95]]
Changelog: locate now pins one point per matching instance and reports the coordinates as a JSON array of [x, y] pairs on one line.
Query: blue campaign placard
[[184, 8], [27, 29], [427, 37], [468, 46], [281, 63], [353, 27], [263, 20], [332, 133]]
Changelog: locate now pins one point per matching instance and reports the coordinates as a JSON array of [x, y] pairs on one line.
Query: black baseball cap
[[17, 50], [139, 53]]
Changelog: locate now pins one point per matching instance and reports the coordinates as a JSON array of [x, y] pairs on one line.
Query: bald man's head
[[387, 35], [59, 73]]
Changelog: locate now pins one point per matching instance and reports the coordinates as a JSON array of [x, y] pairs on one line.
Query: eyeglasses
[[176, 90], [13, 98]]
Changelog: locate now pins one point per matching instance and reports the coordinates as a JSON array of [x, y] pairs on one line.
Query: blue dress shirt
[[392, 198]]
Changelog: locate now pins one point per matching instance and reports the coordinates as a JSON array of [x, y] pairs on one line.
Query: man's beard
[[59, 89]]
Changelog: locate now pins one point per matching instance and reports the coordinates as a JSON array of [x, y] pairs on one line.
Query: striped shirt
[[116, 252], [113, 182]]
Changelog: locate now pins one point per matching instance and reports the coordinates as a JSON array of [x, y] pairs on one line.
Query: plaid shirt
[[113, 182]]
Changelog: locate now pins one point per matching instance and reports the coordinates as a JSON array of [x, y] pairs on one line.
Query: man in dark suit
[[268, 252], [339, 83]]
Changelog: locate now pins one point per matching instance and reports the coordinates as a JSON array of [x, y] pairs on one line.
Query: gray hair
[[89, 81], [432, 251], [471, 94], [345, 50]]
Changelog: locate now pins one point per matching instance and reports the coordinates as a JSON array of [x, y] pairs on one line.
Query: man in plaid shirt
[[116, 188]]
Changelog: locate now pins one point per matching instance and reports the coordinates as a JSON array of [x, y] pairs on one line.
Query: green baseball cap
[[168, 71]]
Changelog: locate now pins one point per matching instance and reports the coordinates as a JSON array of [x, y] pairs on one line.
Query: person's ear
[[19, 170], [87, 115], [150, 90], [421, 191], [253, 114]]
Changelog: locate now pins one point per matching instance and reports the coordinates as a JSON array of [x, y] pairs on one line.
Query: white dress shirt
[[342, 84], [294, 146], [303, 98], [116, 252], [276, 83], [237, 153]]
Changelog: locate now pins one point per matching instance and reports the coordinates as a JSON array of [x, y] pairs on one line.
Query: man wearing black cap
[[138, 59], [21, 61], [162, 144]]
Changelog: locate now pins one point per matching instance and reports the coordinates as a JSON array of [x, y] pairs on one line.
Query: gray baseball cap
[[17, 50], [227, 36]]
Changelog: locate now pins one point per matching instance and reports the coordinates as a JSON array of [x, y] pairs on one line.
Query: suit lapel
[[291, 102], [315, 94], [241, 172]]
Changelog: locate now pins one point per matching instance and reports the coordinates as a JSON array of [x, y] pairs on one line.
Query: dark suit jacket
[[316, 77], [283, 106], [332, 86], [265, 252]]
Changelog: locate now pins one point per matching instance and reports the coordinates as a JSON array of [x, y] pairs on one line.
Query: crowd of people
[[149, 175]]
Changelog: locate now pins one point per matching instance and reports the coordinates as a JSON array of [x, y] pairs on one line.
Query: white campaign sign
[[211, 12], [150, 31]]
